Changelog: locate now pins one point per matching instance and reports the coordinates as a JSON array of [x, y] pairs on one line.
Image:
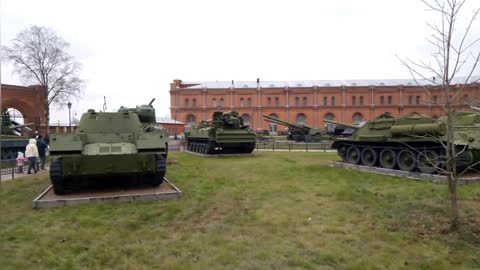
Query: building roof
[[311, 83]]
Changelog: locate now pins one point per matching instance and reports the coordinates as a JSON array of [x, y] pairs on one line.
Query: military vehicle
[[300, 132], [110, 145], [412, 142], [225, 133], [11, 137], [339, 129]]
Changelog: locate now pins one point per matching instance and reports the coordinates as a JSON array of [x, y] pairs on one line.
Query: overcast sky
[[132, 50]]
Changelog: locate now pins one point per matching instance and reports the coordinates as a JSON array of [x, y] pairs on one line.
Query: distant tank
[[225, 133], [12, 140], [110, 145], [412, 142]]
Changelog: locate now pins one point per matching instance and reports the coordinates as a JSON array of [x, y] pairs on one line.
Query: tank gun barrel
[[341, 124], [474, 108], [151, 102]]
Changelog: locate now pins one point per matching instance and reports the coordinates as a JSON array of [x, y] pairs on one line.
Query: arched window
[[301, 118], [187, 102], [214, 101], [249, 102], [325, 101], [242, 102], [329, 116], [297, 101], [357, 118], [247, 119], [333, 101], [273, 126], [194, 102], [191, 120], [15, 115], [221, 102], [304, 101]]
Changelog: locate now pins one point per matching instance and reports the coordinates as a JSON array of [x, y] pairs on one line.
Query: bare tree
[[40, 56], [454, 61]]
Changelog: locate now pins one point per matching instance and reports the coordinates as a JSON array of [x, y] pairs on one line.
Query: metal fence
[[10, 168], [293, 146]]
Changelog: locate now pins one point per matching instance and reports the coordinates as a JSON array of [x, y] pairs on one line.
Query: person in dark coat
[[42, 153]]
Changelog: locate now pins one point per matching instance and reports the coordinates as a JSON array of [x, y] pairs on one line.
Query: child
[[20, 162]]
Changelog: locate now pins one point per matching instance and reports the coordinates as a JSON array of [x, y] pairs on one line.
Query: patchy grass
[[271, 211]]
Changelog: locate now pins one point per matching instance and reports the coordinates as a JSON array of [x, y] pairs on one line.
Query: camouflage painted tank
[[225, 133], [110, 145], [412, 142], [12, 140]]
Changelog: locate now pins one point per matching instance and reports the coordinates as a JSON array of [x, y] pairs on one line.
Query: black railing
[[10, 168]]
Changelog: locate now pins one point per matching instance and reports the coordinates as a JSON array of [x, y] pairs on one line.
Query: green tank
[[225, 133], [412, 142], [110, 145], [11, 137]]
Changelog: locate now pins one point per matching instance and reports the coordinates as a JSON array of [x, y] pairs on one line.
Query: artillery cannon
[[110, 145], [11, 137], [340, 129], [298, 132], [225, 133], [412, 142]]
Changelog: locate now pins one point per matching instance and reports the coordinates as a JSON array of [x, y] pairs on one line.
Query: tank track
[[211, 148], [426, 158], [56, 176], [160, 170]]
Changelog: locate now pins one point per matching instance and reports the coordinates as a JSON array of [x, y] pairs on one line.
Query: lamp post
[[69, 104]]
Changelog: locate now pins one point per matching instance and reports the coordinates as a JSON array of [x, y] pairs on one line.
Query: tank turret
[[127, 143], [412, 142], [224, 133]]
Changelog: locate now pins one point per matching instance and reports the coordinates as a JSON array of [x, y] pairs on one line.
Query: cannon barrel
[[284, 123], [20, 126], [475, 108], [151, 102], [341, 124]]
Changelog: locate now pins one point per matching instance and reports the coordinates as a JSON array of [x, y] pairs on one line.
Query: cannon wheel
[[369, 157], [427, 160], [388, 158], [353, 155], [56, 176], [406, 160]]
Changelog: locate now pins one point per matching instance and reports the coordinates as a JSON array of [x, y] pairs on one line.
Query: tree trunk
[[452, 166], [47, 120], [452, 187]]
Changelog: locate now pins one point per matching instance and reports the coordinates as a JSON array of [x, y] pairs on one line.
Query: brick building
[[308, 102]]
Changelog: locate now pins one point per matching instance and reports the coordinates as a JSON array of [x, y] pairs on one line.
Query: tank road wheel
[[388, 158], [160, 170], [342, 151], [407, 160], [353, 155], [56, 176], [427, 161], [210, 148], [369, 157]]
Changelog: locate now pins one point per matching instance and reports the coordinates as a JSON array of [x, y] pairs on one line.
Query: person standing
[[42, 149], [31, 152], [20, 162]]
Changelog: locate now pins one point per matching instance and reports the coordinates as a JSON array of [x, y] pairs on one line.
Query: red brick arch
[[31, 101]]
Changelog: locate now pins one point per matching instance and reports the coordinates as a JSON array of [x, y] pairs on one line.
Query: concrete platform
[[48, 199], [469, 178], [222, 155]]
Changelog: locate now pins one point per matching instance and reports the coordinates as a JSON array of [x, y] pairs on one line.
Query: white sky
[[132, 50]]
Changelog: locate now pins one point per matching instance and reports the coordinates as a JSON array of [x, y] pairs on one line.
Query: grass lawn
[[271, 211]]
